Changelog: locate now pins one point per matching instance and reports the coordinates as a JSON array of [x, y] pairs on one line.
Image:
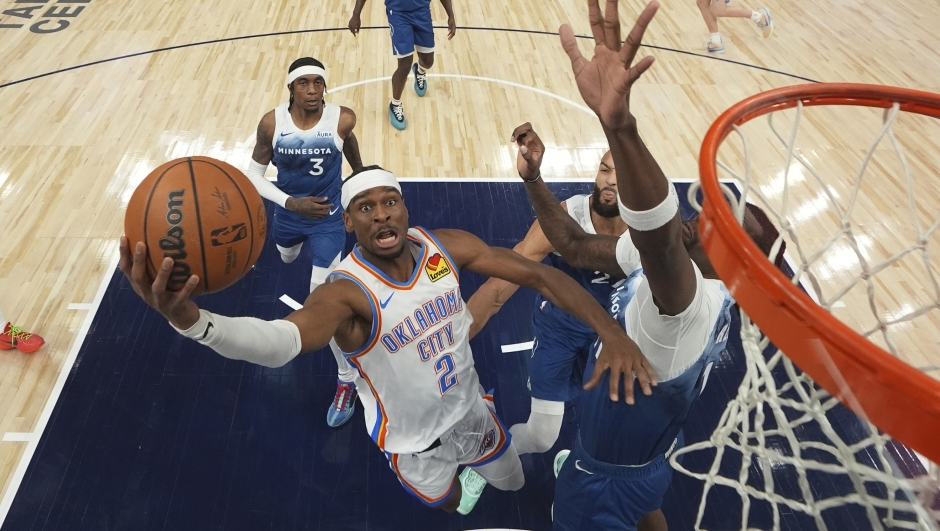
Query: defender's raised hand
[[531, 151], [605, 80]]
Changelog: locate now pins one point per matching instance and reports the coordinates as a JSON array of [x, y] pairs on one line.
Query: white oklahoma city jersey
[[415, 372]]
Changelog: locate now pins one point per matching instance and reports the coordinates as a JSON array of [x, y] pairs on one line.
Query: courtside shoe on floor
[[765, 24], [421, 81], [560, 460], [715, 48], [344, 404], [471, 485], [14, 336], [396, 116]]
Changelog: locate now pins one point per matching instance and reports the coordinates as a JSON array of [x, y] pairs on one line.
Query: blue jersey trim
[[419, 264], [375, 315]]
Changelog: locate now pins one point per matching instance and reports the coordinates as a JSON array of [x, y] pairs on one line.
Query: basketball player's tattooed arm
[[494, 292], [620, 354], [588, 251], [347, 122], [264, 140]]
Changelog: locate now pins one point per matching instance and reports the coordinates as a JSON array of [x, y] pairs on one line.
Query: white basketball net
[[762, 430]]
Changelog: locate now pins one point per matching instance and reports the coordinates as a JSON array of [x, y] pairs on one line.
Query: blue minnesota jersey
[[309, 163], [622, 434], [596, 283]]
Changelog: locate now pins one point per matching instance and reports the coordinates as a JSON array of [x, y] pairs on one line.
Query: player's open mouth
[[608, 195], [386, 239]]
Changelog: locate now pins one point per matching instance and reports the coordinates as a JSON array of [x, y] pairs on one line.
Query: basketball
[[205, 215]]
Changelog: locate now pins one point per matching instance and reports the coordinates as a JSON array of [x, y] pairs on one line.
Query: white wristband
[[266, 188], [268, 343], [654, 218]]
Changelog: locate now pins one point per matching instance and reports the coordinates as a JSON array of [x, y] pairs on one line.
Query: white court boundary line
[[33, 438]]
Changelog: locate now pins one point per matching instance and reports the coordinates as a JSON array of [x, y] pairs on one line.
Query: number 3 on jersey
[[447, 380], [317, 167]]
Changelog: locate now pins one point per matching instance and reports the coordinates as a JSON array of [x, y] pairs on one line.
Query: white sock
[[756, 16], [421, 69], [289, 254], [716, 37], [344, 370], [396, 102]]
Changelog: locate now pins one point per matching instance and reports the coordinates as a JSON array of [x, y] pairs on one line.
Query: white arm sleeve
[[266, 188], [268, 343]]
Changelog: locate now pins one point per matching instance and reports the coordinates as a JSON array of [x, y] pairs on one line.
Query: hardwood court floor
[[74, 144]]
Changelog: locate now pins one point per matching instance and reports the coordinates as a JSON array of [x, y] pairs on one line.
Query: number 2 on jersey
[[447, 380], [317, 167]]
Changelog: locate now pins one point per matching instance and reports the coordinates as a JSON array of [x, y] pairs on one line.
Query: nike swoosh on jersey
[[333, 211], [285, 134], [385, 302], [576, 465]]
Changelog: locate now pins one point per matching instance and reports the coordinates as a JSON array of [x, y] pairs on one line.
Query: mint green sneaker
[[471, 485], [560, 460]]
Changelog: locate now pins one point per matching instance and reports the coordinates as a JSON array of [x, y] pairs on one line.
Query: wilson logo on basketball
[[173, 245], [437, 267]]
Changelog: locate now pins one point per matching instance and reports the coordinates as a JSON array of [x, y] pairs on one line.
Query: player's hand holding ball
[[194, 225]]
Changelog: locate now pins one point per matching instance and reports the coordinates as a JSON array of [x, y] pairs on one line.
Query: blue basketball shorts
[[326, 238], [559, 354], [411, 30], [591, 494]]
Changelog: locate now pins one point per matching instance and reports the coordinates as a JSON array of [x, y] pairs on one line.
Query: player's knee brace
[[289, 254]]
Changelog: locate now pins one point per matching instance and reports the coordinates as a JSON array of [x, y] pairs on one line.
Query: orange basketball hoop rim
[[899, 399]]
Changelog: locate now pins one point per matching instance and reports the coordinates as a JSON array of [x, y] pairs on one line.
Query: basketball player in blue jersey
[[412, 31], [561, 341], [394, 307], [675, 307], [306, 139]]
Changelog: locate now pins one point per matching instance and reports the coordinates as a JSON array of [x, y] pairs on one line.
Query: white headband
[[306, 71], [363, 181]]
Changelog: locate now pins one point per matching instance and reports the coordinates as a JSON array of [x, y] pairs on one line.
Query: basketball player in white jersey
[[395, 308], [561, 341], [306, 139], [675, 307]]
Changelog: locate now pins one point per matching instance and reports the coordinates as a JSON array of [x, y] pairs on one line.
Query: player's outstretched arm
[[620, 354], [268, 343], [347, 122], [596, 252], [489, 298], [649, 202]]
